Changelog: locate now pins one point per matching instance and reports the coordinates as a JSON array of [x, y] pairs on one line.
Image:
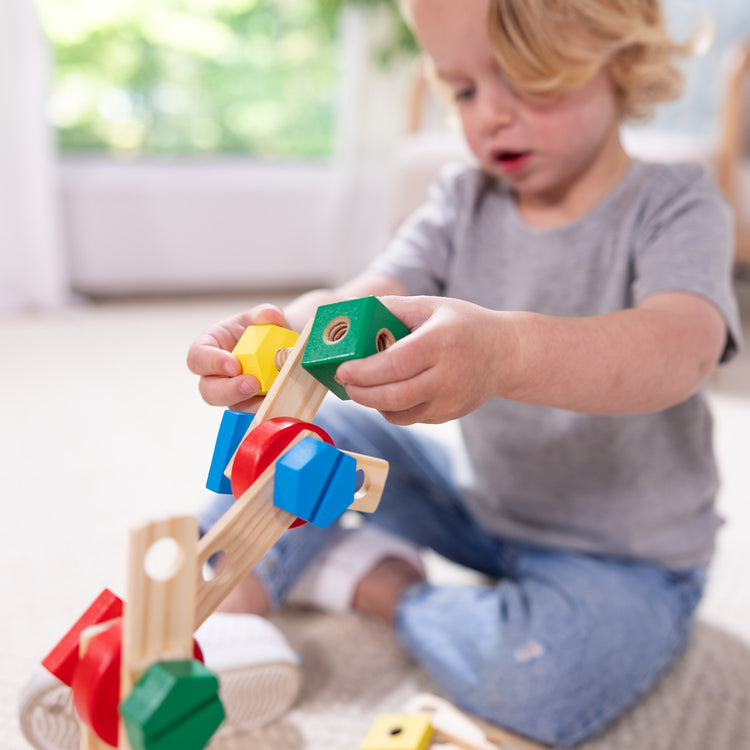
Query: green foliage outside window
[[184, 76]]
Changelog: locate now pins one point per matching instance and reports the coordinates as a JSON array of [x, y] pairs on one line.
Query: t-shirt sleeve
[[420, 253], [685, 243]]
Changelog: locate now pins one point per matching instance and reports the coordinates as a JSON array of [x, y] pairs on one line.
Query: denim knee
[[546, 708], [527, 689], [536, 657]]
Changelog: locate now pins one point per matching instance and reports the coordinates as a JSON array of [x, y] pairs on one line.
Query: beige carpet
[[101, 428]]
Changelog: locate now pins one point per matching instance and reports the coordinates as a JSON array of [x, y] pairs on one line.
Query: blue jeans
[[554, 646]]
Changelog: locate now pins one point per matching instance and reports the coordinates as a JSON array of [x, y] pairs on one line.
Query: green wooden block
[[174, 705], [193, 732], [352, 329]]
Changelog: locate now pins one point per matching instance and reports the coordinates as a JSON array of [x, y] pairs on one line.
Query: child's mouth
[[511, 161]]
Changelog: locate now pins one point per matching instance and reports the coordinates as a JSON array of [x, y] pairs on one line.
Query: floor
[[102, 428]]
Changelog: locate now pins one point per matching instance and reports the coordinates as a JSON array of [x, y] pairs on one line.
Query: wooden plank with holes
[[253, 524], [158, 619]]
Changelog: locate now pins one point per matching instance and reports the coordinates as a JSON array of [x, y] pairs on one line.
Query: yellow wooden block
[[258, 352], [398, 732]]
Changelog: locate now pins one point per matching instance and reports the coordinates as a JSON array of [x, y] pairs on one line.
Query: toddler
[[566, 304]]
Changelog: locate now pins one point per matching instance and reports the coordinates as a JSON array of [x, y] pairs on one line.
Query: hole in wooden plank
[[163, 559], [215, 567], [361, 484]]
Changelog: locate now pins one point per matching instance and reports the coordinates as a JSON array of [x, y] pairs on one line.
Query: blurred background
[[203, 146]]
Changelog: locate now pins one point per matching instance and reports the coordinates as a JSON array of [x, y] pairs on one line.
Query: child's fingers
[[207, 357], [211, 352], [394, 396], [411, 311], [229, 392], [267, 313], [404, 360]]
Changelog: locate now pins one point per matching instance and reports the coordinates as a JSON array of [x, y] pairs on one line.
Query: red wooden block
[[262, 446], [63, 659]]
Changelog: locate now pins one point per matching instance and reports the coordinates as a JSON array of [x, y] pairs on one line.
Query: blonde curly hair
[[550, 47], [547, 48]]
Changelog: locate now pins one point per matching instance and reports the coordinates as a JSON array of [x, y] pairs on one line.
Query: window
[[174, 77]]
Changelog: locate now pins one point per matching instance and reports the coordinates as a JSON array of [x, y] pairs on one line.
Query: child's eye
[[463, 94]]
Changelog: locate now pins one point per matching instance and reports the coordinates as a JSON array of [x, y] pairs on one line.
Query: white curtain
[[32, 268], [373, 105]]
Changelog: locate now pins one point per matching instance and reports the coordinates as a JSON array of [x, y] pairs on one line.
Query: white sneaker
[[259, 681], [329, 582]]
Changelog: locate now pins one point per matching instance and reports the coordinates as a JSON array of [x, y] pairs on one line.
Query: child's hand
[[454, 360], [210, 356]]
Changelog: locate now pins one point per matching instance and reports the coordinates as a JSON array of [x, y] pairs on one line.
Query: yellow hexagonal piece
[[257, 352], [399, 732]]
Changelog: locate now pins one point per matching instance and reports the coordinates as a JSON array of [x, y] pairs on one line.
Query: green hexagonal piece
[[193, 732], [352, 329], [174, 706]]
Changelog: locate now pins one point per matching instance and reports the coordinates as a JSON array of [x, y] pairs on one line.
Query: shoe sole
[[46, 716], [252, 697], [256, 696]]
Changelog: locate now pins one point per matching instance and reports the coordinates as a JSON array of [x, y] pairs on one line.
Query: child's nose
[[496, 109]]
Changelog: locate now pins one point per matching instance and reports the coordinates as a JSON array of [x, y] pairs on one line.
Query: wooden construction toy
[[261, 351], [352, 329], [398, 732], [253, 524], [140, 658], [234, 425]]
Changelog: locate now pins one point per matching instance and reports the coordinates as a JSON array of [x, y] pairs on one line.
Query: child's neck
[[570, 202]]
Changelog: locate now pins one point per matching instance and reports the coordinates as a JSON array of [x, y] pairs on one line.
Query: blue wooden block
[[234, 425], [339, 494], [315, 481]]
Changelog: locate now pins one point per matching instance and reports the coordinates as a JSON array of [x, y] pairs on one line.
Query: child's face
[[540, 149]]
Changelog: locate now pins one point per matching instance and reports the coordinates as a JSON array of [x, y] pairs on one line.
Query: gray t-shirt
[[640, 486]]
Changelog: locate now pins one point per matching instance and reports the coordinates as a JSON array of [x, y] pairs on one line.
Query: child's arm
[[210, 355], [460, 354]]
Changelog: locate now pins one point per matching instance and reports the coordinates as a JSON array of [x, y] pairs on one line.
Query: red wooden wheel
[[262, 446]]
